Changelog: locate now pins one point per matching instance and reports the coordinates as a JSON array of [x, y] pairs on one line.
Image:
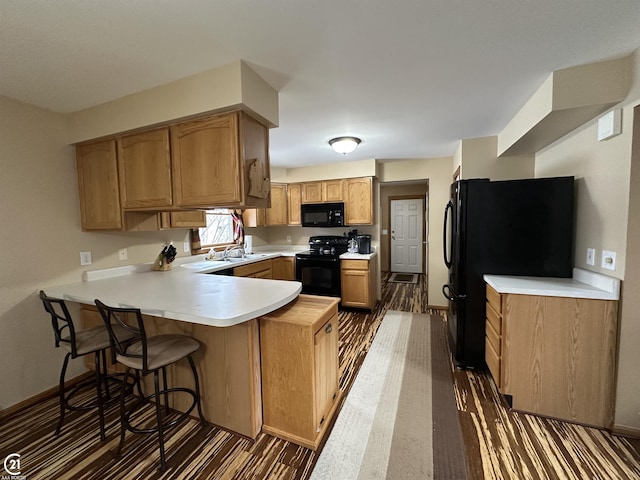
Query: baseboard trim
[[51, 392], [625, 431], [437, 307]]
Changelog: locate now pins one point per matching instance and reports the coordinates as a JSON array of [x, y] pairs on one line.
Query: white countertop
[[358, 256], [584, 284], [183, 293]]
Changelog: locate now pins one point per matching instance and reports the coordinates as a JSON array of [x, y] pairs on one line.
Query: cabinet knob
[[328, 328]]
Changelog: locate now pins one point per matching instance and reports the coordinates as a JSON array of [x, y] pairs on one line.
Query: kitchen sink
[[251, 256]]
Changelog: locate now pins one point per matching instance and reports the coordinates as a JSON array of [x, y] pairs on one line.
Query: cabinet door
[[284, 268], [144, 163], [334, 190], [255, 168], [359, 201], [188, 219], [205, 162], [294, 200], [355, 288], [326, 371], [254, 217], [277, 213], [311, 192], [98, 186]]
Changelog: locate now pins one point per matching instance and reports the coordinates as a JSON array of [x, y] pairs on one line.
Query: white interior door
[[406, 235]]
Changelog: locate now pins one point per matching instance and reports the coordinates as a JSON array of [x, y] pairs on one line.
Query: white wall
[[438, 171], [478, 158], [41, 240]]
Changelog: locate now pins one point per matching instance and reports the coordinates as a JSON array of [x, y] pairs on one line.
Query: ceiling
[[410, 78]]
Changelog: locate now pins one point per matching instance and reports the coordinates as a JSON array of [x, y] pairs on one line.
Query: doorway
[[407, 244]]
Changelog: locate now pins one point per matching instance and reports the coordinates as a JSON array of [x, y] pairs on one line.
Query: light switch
[[591, 256]]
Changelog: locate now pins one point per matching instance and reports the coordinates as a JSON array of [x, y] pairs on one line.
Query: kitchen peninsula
[[221, 311]]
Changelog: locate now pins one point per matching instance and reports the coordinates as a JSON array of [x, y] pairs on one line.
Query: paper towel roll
[[248, 244]]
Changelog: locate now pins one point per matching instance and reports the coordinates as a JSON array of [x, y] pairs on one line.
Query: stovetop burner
[[325, 245]]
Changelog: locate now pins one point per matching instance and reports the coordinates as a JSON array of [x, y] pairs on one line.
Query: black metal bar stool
[[79, 343], [150, 355]]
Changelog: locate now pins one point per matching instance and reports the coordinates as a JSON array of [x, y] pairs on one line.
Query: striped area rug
[[399, 420]]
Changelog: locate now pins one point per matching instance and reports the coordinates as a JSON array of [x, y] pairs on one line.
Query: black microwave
[[322, 214]]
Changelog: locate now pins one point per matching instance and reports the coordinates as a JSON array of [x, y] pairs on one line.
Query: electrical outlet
[[85, 258], [288, 238], [186, 247], [591, 256], [608, 260], [123, 254]]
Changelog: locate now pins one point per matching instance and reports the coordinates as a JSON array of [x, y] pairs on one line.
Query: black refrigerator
[[513, 227]]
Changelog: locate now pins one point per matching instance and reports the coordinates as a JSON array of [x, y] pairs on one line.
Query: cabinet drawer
[[494, 339], [262, 268], [494, 299], [355, 264], [493, 362], [494, 319]]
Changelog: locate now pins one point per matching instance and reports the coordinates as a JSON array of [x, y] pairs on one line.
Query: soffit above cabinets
[[567, 99], [231, 87]]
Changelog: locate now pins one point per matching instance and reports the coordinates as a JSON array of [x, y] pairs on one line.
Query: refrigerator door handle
[[449, 294], [449, 208]]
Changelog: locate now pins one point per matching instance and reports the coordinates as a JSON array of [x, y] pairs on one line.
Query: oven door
[[320, 275]]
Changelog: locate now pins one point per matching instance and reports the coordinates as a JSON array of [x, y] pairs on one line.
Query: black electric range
[[319, 267]]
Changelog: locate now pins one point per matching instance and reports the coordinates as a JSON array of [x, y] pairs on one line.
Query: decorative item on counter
[[163, 262], [195, 240], [353, 246]]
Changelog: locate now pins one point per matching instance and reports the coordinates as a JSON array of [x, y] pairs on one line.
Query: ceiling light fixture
[[344, 145]]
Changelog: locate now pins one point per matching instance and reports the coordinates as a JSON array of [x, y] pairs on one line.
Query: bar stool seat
[[145, 355], [92, 339], [162, 350]]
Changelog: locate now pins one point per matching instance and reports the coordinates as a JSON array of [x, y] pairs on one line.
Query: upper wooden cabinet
[[312, 192], [277, 213], [358, 203], [98, 186], [294, 200], [325, 191], [220, 161], [333, 190], [185, 219], [144, 167], [272, 216]]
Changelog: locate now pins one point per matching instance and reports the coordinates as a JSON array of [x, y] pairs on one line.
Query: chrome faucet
[[231, 248]]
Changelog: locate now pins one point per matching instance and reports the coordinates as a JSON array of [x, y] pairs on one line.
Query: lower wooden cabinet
[[357, 279], [261, 269], [284, 268], [299, 354], [555, 356]]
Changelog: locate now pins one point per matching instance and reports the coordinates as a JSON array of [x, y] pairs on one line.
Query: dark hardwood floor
[[499, 444]]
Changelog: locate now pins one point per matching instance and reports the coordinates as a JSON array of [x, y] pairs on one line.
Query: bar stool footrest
[[146, 401]]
